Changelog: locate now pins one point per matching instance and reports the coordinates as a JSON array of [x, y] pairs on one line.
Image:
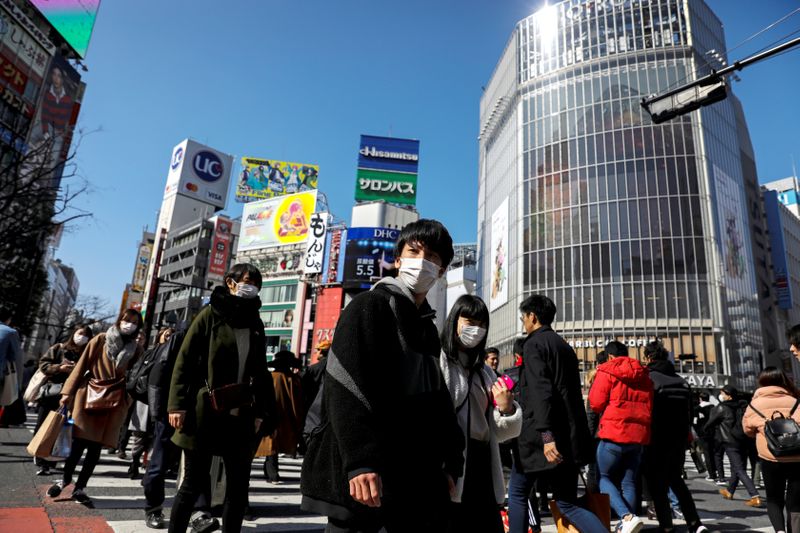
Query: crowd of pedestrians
[[407, 429]]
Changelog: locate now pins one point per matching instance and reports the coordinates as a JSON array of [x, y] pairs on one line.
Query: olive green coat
[[209, 352], [101, 426]]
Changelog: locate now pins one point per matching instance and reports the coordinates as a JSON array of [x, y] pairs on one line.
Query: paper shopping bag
[[42, 443]]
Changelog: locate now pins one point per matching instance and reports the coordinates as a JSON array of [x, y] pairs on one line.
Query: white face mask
[[245, 290], [80, 340], [126, 328], [471, 336], [418, 274], [722, 397]]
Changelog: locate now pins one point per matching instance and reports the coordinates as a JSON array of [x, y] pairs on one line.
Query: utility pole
[[703, 91]]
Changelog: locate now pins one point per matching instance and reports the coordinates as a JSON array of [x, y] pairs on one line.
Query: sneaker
[[701, 529], [122, 455], [43, 471], [630, 526], [80, 496], [721, 482], [712, 479], [248, 516], [725, 494], [204, 524], [651, 514], [274, 481], [676, 513], [55, 489], [155, 520]]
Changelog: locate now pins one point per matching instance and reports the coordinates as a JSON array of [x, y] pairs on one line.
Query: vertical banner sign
[[780, 268], [499, 268], [315, 251], [329, 307], [332, 270], [220, 248], [387, 170]]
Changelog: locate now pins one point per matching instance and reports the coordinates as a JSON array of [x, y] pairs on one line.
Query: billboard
[[731, 224], [315, 251], [369, 255], [387, 170], [73, 19], [277, 221], [780, 267], [333, 273], [23, 39], [329, 307], [220, 248], [268, 178], [142, 266], [499, 268], [199, 172]]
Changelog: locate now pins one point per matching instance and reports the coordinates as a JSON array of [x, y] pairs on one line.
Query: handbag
[[232, 396], [34, 386], [10, 392], [104, 394], [42, 443], [50, 390]]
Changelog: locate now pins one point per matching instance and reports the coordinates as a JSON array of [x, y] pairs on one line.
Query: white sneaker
[[632, 526]]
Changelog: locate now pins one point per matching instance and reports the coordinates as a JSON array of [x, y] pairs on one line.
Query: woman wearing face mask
[[56, 364], [108, 356], [487, 414], [221, 396]]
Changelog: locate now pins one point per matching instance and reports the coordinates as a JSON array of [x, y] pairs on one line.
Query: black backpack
[[139, 375], [782, 433]]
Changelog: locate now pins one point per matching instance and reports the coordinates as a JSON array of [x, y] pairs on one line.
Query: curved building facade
[[635, 230]]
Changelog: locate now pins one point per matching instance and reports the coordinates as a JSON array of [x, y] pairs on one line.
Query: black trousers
[[708, 455], [737, 456], [478, 510], [92, 450], [782, 484], [719, 459], [663, 470], [196, 478], [272, 468]]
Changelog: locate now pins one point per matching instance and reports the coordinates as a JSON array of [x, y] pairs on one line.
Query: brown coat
[[291, 414], [102, 427], [768, 400]]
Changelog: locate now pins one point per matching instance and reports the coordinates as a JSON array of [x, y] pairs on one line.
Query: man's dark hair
[[655, 351], [617, 349], [432, 234], [5, 314], [601, 357], [237, 272], [519, 343], [704, 397], [792, 334], [492, 349], [466, 306], [541, 306]]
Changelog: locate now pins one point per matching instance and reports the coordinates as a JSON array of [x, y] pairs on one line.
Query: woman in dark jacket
[[732, 437], [56, 364], [222, 357]]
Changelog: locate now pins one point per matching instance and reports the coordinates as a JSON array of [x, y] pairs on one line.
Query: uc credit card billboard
[[369, 255], [387, 170], [199, 172]]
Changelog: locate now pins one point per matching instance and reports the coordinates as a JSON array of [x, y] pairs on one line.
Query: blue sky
[[301, 80]]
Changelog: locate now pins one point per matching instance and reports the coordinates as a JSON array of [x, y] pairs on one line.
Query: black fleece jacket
[[386, 407]]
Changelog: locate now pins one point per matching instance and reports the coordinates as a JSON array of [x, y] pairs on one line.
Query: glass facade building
[[636, 230]]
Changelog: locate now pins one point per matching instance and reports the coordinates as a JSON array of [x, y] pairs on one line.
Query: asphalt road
[[118, 501]]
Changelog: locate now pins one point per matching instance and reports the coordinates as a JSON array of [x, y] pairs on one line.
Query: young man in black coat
[[555, 435], [389, 448]]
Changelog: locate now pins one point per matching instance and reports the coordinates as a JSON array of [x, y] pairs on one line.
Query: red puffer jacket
[[622, 393]]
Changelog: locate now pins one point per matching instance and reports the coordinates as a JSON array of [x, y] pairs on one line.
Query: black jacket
[[312, 380], [723, 418], [672, 407], [386, 409], [161, 375], [552, 401]]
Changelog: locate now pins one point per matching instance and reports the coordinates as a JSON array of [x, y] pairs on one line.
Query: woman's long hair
[[774, 377], [70, 345], [466, 306]]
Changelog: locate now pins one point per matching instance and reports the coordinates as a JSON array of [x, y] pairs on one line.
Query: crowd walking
[[404, 428]]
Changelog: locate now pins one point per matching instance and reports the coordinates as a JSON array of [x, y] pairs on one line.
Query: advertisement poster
[[731, 219], [780, 267], [387, 170], [141, 268], [277, 221], [220, 248], [499, 267], [329, 307], [369, 255], [199, 172], [332, 258], [267, 178], [315, 251], [24, 39]]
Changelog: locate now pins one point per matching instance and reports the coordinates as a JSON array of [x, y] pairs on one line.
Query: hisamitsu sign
[[387, 170]]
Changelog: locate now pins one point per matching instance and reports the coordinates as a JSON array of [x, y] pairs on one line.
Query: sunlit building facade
[[637, 231]]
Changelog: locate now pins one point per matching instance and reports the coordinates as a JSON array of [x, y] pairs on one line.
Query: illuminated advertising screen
[[268, 178], [277, 221], [73, 19], [369, 255]]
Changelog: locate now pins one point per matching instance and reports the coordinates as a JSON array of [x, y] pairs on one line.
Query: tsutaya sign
[[704, 381]]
